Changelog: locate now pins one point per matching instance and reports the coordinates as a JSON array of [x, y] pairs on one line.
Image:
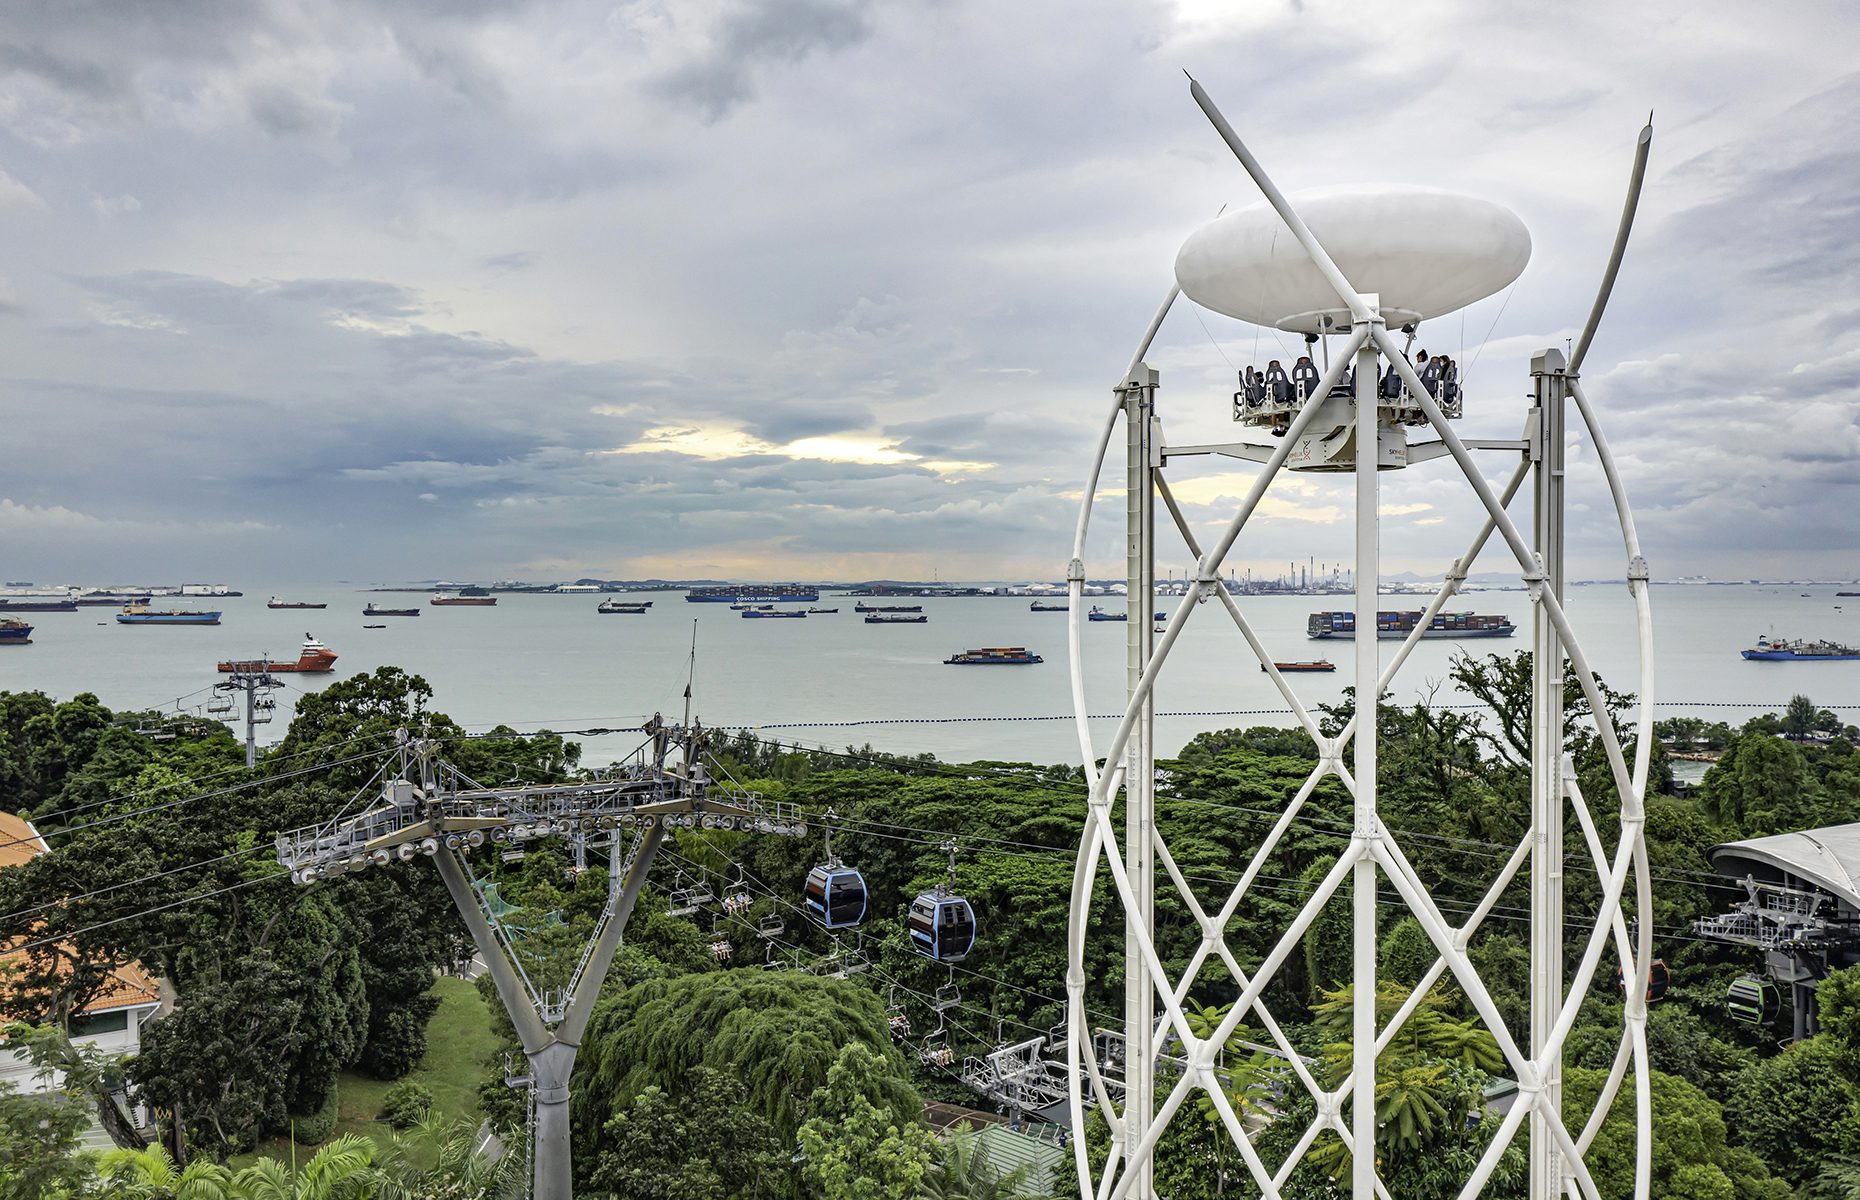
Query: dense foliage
[[162, 855]]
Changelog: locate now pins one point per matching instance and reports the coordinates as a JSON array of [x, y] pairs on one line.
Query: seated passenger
[[1449, 380], [1345, 385], [1430, 373], [1305, 376], [1278, 387]]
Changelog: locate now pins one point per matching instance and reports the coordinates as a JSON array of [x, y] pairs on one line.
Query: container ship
[[314, 659], [738, 593], [14, 633], [274, 602], [38, 606], [1400, 624], [139, 614], [994, 654], [1784, 650], [372, 611]]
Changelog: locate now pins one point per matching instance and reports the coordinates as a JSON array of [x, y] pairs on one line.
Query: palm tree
[[458, 1168], [963, 1172], [343, 1170], [150, 1174]]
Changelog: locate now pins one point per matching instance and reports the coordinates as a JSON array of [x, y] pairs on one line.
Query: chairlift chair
[[935, 1050], [680, 902], [947, 997], [770, 927]]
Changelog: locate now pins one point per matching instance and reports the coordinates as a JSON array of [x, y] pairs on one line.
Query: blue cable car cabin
[[836, 894], [942, 926]]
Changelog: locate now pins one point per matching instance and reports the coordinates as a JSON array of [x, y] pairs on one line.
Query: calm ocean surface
[[537, 661]]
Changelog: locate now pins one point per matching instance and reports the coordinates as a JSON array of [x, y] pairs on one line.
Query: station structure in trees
[[1363, 266]]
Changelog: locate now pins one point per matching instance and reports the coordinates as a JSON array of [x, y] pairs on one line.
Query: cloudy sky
[[299, 290]]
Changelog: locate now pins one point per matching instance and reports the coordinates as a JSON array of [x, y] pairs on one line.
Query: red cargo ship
[[315, 659]]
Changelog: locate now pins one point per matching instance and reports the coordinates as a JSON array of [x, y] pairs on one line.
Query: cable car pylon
[[418, 814], [1389, 256]]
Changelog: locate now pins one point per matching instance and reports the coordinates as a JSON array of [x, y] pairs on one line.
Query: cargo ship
[[14, 633], [770, 612], [1400, 624], [1036, 606], [738, 593], [823, 610], [7, 605], [1784, 650], [895, 619], [115, 599], [1098, 614], [372, 611], [623, 606], [1321, 664], [274, 602], [315, 659], [862, 606], [994, 654], [466, 597], [139, 614]]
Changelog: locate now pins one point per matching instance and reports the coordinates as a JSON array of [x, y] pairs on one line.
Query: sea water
[[539, 661]]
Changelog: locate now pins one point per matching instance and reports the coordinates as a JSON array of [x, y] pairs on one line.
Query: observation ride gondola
[[1363, 265]]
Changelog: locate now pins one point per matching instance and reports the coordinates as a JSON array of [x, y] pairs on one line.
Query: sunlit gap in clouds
[[716, 440]]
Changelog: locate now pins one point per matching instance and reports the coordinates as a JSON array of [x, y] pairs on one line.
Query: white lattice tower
[[1134, 854]]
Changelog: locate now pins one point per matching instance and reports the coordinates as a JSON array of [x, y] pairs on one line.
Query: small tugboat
[[314, 659], [1322, 664], [623, 606], [34, 604], [823, 610], [372, 611], [1784, 650], [994, 654], [894, 619], [768, 612], [1036, 606], [1098, 614], [14, 633], [862, 606], [274, 602], [139, 614]]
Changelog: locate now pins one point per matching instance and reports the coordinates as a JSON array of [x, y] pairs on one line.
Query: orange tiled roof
[[129, 984]]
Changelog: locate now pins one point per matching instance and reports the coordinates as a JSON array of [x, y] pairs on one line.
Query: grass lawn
[[459, 1044]]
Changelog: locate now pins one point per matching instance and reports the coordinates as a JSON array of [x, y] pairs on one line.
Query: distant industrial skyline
[[763, 289]]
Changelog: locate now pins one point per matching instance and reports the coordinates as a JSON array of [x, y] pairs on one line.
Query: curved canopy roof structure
[[1828, 858]]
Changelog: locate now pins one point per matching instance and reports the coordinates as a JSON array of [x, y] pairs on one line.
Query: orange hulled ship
[[315, 658]]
